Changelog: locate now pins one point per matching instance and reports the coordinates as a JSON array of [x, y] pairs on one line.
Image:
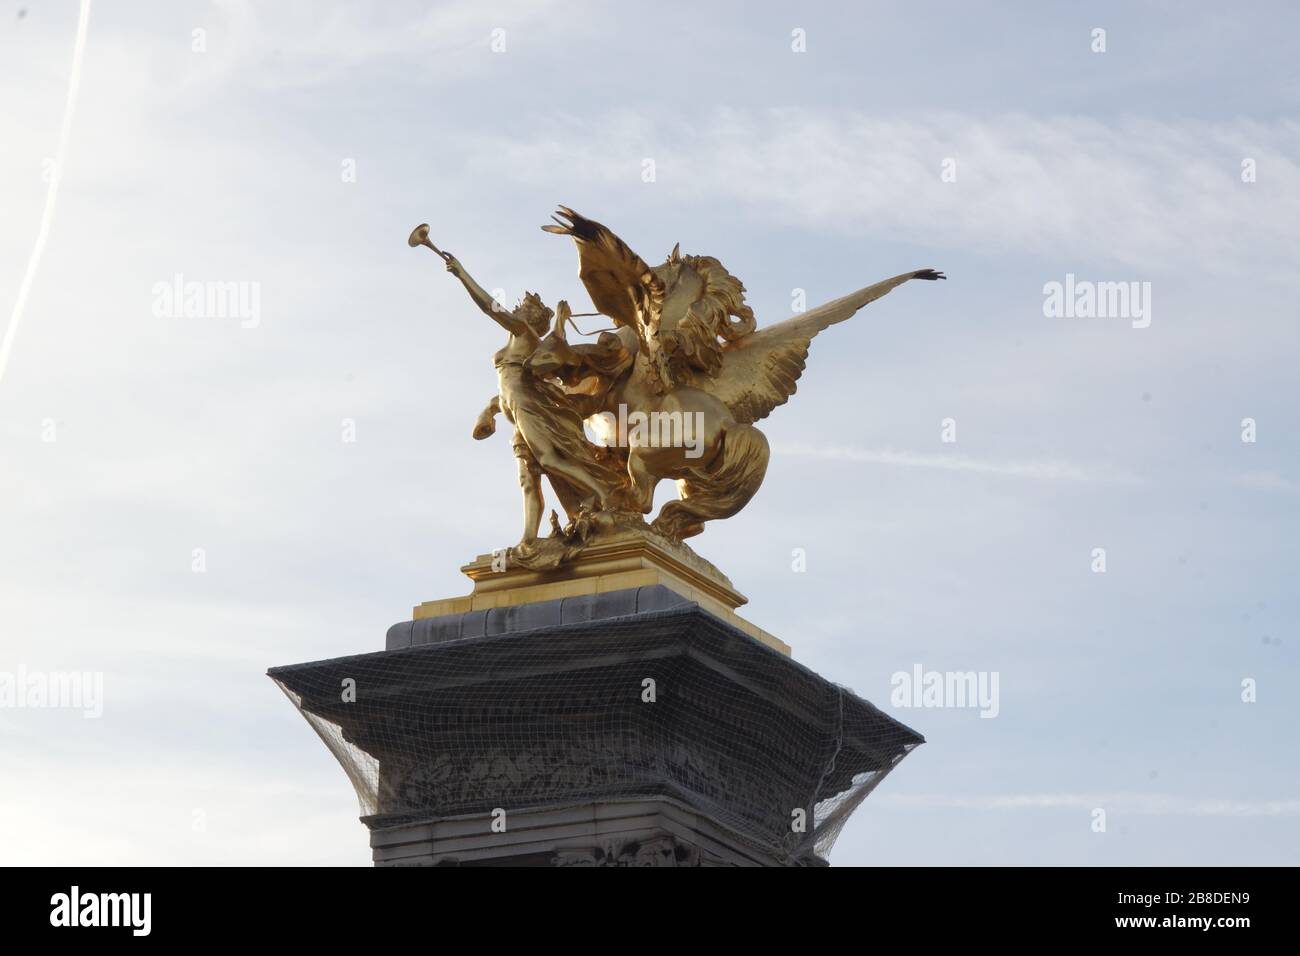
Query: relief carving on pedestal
[[662, 851]]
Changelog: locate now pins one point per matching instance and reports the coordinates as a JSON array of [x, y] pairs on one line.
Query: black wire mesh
[[674, 705]]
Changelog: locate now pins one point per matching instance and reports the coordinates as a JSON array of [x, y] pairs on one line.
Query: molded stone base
[[610, 563], [630, 727], [643, 833]]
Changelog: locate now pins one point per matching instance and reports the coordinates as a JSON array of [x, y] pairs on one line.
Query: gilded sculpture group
[[685, 346]]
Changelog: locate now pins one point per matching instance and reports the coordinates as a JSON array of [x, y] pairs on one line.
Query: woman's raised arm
[[490, 307]]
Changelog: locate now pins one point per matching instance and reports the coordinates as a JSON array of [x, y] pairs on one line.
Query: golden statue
[[672, 392]]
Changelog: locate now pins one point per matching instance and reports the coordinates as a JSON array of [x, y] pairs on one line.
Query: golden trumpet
[[420, 237]]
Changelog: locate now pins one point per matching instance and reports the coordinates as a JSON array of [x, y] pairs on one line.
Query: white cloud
[[1036, 470], [52, 194], [1136, 193], [1154, 804], [1267, 481]]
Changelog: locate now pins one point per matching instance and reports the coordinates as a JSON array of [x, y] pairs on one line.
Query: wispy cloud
[[1138, 192], [52, 193], [1153, 804], [1035, 470], [1267, 481], [301, 44]]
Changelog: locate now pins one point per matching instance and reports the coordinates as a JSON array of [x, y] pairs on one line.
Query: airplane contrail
[[52, 194]]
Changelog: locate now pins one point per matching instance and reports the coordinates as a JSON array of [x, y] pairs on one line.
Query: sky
[[181, 506]]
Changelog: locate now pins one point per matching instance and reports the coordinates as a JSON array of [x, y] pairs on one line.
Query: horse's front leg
[[643, 481]]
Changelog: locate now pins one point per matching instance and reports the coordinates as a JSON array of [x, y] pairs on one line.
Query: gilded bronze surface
[[673, 392]]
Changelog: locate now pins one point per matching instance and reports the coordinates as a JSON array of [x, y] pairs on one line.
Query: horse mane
[[722, 305], [718, 314]]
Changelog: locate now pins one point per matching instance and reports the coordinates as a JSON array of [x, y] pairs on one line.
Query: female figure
[[548, 437]]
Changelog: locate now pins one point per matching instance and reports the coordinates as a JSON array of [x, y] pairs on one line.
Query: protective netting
[[672, 705]]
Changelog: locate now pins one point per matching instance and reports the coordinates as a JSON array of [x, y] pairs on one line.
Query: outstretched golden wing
[[618, 280], [759, 371]]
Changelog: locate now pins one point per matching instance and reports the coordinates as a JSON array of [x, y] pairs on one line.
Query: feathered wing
[[759, 371], [617, 279]]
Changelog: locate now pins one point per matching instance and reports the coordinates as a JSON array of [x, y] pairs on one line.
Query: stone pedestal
[[631, 833], [622, 727], [612, 562]]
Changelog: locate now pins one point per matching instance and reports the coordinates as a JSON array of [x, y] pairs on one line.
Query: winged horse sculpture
[[685, 351], [698, 353]]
